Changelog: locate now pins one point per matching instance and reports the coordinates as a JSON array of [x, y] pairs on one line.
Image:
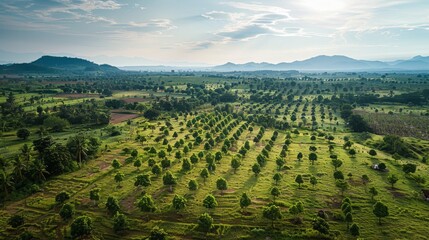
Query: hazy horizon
[[195, 33]]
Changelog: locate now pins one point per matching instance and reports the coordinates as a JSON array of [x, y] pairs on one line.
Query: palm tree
[[19, 167], [79, 145], [26, 154], [6, 182], [38, 170]]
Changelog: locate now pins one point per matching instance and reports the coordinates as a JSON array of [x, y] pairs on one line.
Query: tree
[[116, 164], [256, 168], [409, 168], [349, 219], [6, 181], [120, 222], [221, 185], [146, 204], [313, 157], [157, 234], [358, 124], [365, 179], [336, 163], [245, 201], [299, 156], [94, 195], [380, 210], [19, 167], [142, 180], [338, 175], [169, 180], [392, 179], [209, 201], [137, 164], [342, 185], [204, 174], [272, 213], [179, 202], [205, 222], [38, 170], [275, 192], [354, 230], [280, 162], [62, 197], [23, 133], [193, 185], [55, 123], [235, 164], [15, 221], [299, 180], [186, 165], [277, 177], [119, 177], [112, 205], [352, 152], [81, 226], [372, 152], [320, 225], [151, 114], [373, 192], [66, 211], [313, 181]]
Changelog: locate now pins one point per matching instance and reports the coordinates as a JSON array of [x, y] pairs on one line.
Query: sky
[[209, 32]]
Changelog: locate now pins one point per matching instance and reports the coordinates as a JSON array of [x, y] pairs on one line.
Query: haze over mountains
[[52, 64]]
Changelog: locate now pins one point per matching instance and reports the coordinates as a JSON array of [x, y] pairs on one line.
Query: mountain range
[[332, 63], [52, 64]]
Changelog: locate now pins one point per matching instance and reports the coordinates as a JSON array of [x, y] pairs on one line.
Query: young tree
[[62, 197], [119, 177], [365, 179], [142, 180], [169, 180], [372, 152], [256, 169], [81, 226], [204, 174], [280, 162], [15, 221], [336, 163], [272, 213], [245, 201], [221, 185], [186, 165], [209, 201], [380, 210], [116, 164], [146, 204], [205, 222], [138, 164], [320, 225], [277, 177], [338, 175], [156, 169], [299, 180], [66, 211], [120, 222], [373, 193], [157, 234], [235, 164], [193, 185], [342, 185], [409, 168], [313, 157], [275, 192], [179, 202], [94, 195], [354, 230], [392, 179], [112, 205], [348, 219], [313, 181], [299, 156]]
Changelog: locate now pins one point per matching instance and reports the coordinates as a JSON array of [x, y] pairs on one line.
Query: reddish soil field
[[133, 100], [120, 117], [77, 95]]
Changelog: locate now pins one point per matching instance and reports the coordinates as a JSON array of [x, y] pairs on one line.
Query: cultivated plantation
[[214, 156]]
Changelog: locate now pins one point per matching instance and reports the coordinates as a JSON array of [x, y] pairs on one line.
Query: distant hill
[[52, 64], [331, 63]]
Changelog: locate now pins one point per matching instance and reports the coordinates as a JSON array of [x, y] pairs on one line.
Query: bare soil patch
[[76, 95], [133, 100], [116, 117]]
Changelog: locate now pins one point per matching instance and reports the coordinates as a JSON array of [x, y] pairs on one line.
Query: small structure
[[426, 194], [375, 167]]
